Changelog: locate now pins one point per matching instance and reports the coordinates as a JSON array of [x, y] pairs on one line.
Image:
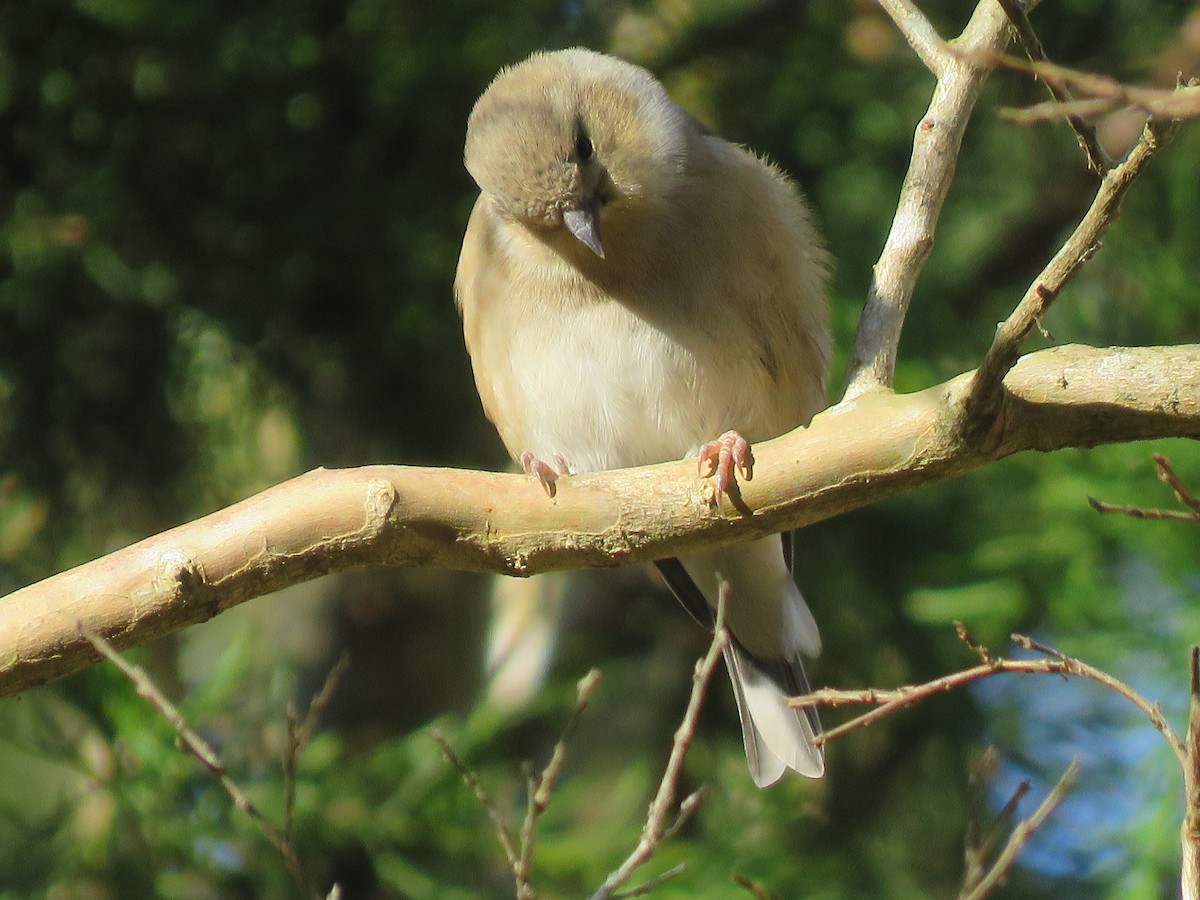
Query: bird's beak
[[584, 224]]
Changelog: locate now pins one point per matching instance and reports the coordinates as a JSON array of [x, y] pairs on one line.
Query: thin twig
[[964, 635], [1050, 111], [319, 703], [300, 733], [760, 892], [499, 826], [656, 829], [542, 787], [523, 867], [205, 755], [1020, 834], [1100, 93], [888, 701], [1168, 476], [1142, 512], [1159, 104], [985, 389], [1097, 158], [983, 770], [977, 848], [647, 886], [1005, 816]]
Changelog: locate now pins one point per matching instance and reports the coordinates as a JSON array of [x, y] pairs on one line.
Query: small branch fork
[[1168, 476], [1186, 750], [961, 67], [981, 882], [1097, 158], [656, 830], [960, 75], [986, 388], [1055, 663], [1099, 94], [519, 851], [208, 757]]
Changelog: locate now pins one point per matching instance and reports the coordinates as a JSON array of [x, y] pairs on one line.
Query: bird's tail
[[777, 737]]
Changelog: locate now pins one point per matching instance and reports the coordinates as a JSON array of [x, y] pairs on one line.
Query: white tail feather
[[777, 737]]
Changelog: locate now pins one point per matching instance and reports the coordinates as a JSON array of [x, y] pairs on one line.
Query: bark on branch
[[854, 454], [960, 78]]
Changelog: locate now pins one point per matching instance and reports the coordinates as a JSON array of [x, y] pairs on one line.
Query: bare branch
[[1141, 512], [977, 882], [985, 655], [206, 756], [920, 34], [499, 825], [936, 144], [759, 892], [1100, 93], [1167, 475], [850, 456], [986, 386], [983, 770], [1097, 159], [542, 788], [1005, 816], [647, 886], [656, 829], [1020, 834], [979, 842], [299, 733], [888, 701]]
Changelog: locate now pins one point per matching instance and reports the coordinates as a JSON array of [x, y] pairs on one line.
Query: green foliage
[[227, 241]]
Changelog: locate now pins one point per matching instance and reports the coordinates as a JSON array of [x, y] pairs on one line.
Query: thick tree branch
[[939, 134], [853, 455]]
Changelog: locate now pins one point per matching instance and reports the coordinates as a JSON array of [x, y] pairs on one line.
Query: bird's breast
[[602, 387]]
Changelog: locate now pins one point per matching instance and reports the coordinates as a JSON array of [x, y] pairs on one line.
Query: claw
[[560, 464], [544, 472], [724, 458]]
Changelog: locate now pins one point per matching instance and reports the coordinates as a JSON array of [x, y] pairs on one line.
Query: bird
[[634, 289]]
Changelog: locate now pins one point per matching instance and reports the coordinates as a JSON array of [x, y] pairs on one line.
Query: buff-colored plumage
[[631, 287]]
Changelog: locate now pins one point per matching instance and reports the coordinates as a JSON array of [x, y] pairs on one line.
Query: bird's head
[[572, 138]]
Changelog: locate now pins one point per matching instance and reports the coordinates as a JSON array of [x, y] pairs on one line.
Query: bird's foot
[[724, 458], [545, 472]]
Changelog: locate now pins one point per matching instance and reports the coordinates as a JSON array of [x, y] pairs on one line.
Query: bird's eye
[[583, 147]]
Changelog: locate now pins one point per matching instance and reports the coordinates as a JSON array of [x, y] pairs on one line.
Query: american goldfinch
[[634, 290]]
